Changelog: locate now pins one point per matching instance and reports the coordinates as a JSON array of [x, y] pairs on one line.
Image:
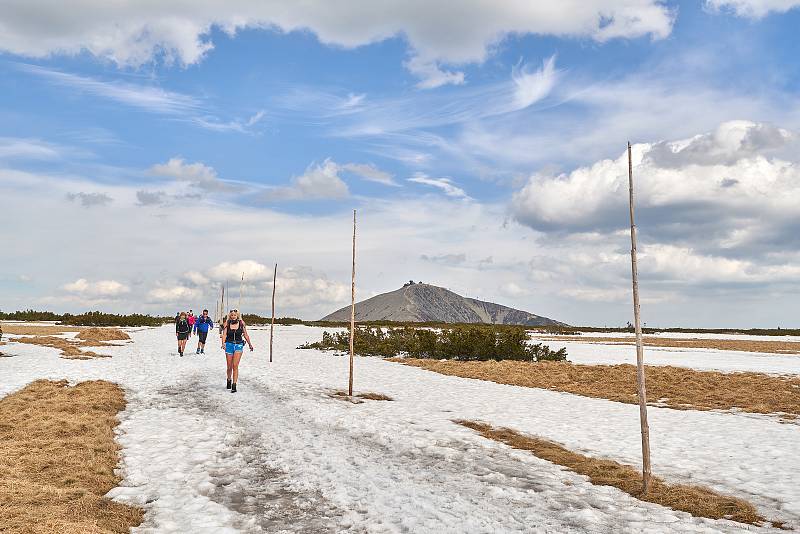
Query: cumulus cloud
[[177, 294], [753, 8], [131, 34], [196, 174], [714, 185], [320, 181], [99, 289], [90, 200], [232, 271], [298, 287], [445, 184]]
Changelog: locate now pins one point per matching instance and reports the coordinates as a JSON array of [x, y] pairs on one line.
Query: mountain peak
[[420, 302]]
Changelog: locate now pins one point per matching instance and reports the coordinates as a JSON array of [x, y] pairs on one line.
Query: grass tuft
[[696, 500], [672, 387], [57, 459]]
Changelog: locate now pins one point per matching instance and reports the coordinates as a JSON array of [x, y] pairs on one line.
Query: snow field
[[282, 456]]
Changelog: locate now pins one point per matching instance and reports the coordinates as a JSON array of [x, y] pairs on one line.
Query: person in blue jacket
[[202, 325]]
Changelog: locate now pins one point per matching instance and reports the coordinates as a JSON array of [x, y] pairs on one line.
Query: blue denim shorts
[[230, 348]]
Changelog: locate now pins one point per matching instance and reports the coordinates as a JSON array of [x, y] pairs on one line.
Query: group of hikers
[[232, 334]]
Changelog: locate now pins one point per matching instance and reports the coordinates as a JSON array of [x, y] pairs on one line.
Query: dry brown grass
[[744, 345], [57, 459], [360, 397], [696, 500], [102, 334], [45, 335], [38, 330], [69, 349], [673, 387]]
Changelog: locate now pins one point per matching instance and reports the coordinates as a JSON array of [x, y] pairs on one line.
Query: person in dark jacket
[[202, 325], [182, 331]]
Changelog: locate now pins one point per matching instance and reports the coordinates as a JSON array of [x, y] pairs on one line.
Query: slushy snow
[[281, 455]]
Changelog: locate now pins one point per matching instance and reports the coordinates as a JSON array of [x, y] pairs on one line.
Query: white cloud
[[723, 178], [20, 148], [320, 181], [431, 75], [445, 184], [197, 174], [753, 8], [578, 277], [98, 289], [531, 86], [402, 119], [150, 98], [232, 271], [132, 34], [177, 295], [144, 97], [370, 172]]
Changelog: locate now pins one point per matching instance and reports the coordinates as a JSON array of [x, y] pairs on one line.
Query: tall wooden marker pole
[[646, 472], [272, 326], [239, 307], [352, 308]]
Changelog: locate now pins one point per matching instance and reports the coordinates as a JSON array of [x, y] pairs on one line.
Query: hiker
[[233, 336], [182, 330], [202, 325], [192, 319]]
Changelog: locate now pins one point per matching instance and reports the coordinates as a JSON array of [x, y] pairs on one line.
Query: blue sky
[[155, 153]]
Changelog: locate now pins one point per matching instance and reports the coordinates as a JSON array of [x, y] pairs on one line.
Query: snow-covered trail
[[282, 455]]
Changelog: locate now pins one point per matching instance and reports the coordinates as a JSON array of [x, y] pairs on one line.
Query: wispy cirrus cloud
[[447, 185], [149, 98], [346, 116], [146, 98]]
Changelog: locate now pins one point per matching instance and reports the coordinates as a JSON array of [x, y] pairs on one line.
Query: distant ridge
[[423, 303]]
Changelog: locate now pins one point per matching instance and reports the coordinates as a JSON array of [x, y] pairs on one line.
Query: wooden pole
[[239, 307], [646, 471], [222, 304], [352, 308], [272, 326]]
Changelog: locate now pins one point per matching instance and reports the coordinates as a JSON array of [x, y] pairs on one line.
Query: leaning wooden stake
[[646, 472], [352, 308], [272, 326]]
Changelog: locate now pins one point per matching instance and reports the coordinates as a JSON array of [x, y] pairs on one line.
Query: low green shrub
[[93, 318], [476, 343]]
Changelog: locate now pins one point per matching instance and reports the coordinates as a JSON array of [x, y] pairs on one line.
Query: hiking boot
[[233, 387], [229, 384], [198, 350], [202, 351], [181, 353]]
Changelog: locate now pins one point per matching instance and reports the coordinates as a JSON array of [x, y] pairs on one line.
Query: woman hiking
[[233, 336], [182, 330]]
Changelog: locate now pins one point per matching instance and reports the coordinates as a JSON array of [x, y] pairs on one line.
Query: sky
[[151, 152]]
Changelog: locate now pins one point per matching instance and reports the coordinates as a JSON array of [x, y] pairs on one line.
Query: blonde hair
[[236, 312]]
